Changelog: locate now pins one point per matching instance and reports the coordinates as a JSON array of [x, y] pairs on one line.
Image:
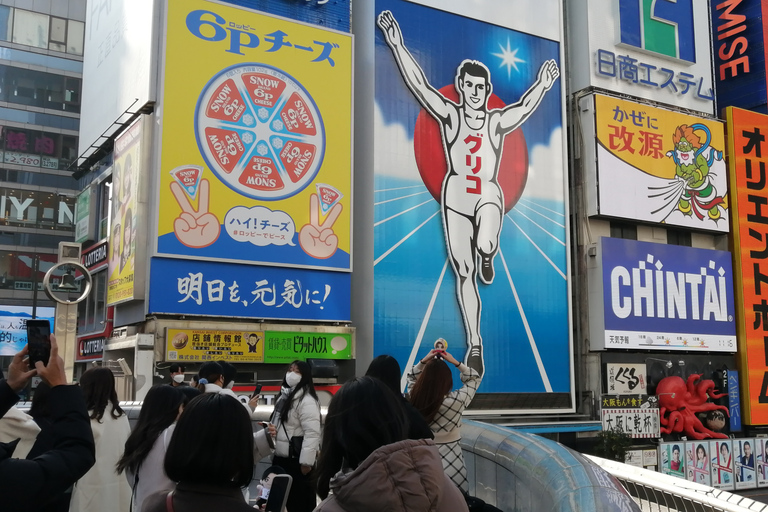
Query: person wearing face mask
[[177, 375], [297, 422], [210, 379]]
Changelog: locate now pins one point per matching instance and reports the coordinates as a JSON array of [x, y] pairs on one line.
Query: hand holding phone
[[39, 341], [256, 391], [278, 493]]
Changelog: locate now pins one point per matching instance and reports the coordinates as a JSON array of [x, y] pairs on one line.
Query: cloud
[[393, 150], [546, 169]]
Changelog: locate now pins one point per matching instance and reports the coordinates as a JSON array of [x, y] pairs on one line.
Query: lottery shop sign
[[748, 154], [256, 162]]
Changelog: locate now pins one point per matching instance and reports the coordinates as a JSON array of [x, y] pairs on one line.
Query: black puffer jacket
[[27, 485]]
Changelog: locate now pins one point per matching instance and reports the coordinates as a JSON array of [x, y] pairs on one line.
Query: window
[[75, 37], [37, 178], [105, 208], [6, 22], [623, 230], [39, 89], [17, 269], [679, 237], [92, 312], [30, 28], [58, 34]]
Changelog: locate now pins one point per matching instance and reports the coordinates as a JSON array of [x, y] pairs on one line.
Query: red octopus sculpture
[[682, 402]]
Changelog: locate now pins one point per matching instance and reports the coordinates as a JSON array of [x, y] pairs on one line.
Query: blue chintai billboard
[[470, 236], [665, 297]]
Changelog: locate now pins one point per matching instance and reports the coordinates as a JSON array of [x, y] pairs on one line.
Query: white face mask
[[230, 385], [292, 379], [178, 379]]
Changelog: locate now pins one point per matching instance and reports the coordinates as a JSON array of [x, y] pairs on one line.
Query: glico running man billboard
[[470, 235]]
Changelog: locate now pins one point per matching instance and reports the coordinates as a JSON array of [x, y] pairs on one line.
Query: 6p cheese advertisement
[[256, 163]]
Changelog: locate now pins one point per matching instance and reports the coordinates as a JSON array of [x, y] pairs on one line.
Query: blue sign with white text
[[659, 296], [738, 44], [333, 14], [189, 287], [659, 26], [734, 400]]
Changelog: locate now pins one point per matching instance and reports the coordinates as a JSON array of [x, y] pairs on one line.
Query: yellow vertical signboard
[[256, 142], [125, 215]]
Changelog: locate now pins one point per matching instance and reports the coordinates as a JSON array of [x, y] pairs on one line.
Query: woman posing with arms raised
[[430, 392]]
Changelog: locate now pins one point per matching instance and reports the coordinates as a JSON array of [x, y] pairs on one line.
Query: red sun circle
[[430, 155]]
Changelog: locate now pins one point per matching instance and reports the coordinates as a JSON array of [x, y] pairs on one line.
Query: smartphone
[[278, 493], [39, 341], [257, 390]]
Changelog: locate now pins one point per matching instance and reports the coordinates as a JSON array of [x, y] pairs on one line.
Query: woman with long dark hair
[[102, 488], [430, 392], [297, 422], [387, 370], [142, 460], [368, 462], [210, 456]]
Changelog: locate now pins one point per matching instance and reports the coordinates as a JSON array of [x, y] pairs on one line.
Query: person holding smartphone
[[28, 485]]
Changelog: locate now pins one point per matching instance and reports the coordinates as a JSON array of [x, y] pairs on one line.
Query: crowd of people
[[194, 446]]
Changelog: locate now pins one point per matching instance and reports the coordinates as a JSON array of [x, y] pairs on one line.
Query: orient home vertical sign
[[749, 199]]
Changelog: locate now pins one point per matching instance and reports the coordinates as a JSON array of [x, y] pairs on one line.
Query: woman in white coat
[[297, 422], [102, 488]]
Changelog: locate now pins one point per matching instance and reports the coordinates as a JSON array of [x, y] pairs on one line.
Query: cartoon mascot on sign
[[693, 160]]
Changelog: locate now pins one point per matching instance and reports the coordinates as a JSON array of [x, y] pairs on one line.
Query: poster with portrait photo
[[697, 462], [761, 461], [721, 463], [671, 459], [744, 463]]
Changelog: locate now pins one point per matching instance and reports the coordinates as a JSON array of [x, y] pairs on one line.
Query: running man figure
[[473, 136]]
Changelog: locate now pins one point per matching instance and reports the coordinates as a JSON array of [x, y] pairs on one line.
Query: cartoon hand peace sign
[[195, 228], [318, 240]]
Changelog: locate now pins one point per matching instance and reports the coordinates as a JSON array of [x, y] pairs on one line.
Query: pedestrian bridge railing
[[656, 492], [518, 471]]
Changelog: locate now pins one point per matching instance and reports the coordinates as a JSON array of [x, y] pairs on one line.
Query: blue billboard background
[[189, 287], [742, 88], [631, 254], [13, 326], [333, 14], [525, 320]]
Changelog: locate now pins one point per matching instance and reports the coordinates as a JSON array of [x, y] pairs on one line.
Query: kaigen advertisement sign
[[660, 166], [13, 326], [749, 199], [665, 297], [256, 162], [125, 215], [205, 288], [470, 237]]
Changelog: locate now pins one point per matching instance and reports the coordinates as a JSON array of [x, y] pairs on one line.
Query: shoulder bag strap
[[169, 501]]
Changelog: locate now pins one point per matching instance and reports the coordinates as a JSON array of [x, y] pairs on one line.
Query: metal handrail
[[655, 491]]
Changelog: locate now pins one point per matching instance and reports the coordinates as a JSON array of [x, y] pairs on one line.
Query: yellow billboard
[[200, 345], [256, 139], [657, 165], [125, 216]]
